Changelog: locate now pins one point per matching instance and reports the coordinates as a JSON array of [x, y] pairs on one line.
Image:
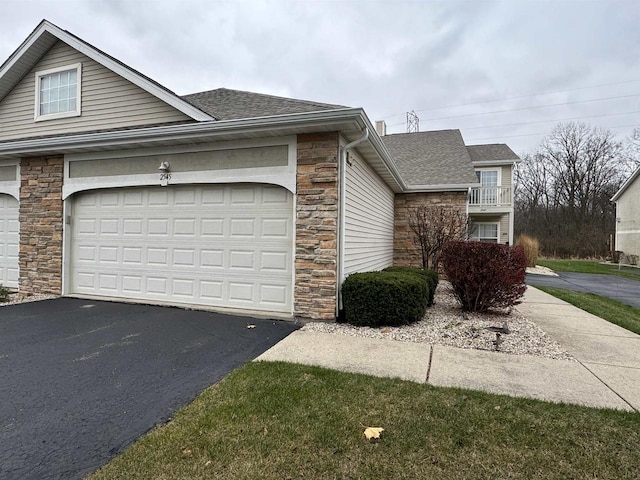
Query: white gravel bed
[[15, 298], [540, 270], [445, 324]]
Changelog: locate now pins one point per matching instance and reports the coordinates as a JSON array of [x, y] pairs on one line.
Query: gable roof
[[438, 159], [494, 152], [47, 34], [226, 104], [626, 185]]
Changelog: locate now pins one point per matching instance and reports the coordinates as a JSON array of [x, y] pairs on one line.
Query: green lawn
[[589, 266], [611, 310], [283, 421]]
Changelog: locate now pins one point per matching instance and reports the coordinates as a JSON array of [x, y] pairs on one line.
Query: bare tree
[[563, 191], [432, 227], [632, 149]]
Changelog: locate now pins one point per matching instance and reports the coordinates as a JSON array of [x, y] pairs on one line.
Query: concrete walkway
[[606, 372]]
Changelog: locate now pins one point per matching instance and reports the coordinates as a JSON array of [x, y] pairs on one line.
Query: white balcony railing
[[491, 196]]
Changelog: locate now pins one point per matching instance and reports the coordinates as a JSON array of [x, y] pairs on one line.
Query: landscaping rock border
[[446, 324]]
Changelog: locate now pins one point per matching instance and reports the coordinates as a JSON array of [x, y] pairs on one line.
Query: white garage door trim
[[9, 241], [227, 246]]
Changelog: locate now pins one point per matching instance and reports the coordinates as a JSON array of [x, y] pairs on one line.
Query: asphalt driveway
[[81, 380], [621, 289]]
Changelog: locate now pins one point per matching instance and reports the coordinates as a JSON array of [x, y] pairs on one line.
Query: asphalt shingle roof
[[226, 104], [431, 158], [491, 152]]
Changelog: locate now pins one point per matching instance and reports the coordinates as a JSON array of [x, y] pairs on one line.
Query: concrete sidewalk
[[606, 372]]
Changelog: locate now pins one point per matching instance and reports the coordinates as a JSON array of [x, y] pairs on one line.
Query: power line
[[549, 121], [542, 121], [517, 97], [529, 108], [537, 134]]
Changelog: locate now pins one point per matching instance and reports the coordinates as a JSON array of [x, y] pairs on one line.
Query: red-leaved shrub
[[485, 275]]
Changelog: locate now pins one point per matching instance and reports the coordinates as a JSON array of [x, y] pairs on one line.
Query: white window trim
[[497, 169], [497, 224], [72, 113]]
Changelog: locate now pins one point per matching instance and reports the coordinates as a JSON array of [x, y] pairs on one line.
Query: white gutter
[[343, 197], [185, 130], [458, 187], [495, 163]]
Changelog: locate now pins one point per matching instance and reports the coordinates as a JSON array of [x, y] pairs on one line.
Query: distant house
[[113, 186], [627, 201]]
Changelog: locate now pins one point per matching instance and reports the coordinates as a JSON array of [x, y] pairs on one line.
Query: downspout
[[341, 211], [468, 228]]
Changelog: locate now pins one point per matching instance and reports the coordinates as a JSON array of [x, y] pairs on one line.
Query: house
[[477, 179], [627, 201], [114, 187], [491, 204]]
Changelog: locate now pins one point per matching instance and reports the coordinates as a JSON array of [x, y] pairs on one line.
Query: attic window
[[58, 92]]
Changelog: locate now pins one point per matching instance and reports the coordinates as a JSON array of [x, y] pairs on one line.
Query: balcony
[[493, 198]]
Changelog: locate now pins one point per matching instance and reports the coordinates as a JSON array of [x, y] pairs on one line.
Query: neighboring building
[[491, 204], [112, 186], [437, 170], [476, 178], [627, 201]]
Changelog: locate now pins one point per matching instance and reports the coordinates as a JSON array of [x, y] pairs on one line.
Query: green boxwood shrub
[[384, 298], [429, 275]]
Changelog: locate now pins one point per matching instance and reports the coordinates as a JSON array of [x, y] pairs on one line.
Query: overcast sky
[[532, 63]]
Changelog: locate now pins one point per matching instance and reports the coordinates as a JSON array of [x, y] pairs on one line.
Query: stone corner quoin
[[315, 289], [41, 222]]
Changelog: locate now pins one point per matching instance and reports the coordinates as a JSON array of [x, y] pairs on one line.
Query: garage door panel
[[242, 227], [274, 294], [132, 284], [274, 261], [12, 277], [228, 249], [132, 255], [211, 290], [108, 282]]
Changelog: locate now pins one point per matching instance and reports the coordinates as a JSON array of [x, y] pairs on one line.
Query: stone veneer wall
[[316, 226], [41, 221], [405, 251]]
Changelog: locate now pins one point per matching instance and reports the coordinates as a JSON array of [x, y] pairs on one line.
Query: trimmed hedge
[[485, 275], [429, 275], [384, 298]]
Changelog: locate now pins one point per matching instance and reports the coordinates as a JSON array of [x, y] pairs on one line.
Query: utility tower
[[413, 122]]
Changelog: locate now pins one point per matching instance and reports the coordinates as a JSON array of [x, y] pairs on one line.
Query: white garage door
[[218, 245], [9, 240]]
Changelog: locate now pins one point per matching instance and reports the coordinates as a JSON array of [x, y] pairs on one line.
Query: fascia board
[[20, 51], [492, 163], [626, 185], [378, 145], [456, 187], [189, 130]]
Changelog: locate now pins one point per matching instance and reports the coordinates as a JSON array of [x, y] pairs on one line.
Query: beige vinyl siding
[[504, 228], [369, 217], [506, 180], [628, 225], [108, 101]]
